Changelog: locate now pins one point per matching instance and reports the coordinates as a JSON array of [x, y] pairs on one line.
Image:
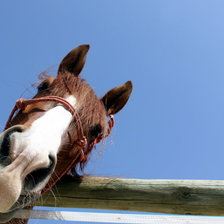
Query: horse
[[53, 133]]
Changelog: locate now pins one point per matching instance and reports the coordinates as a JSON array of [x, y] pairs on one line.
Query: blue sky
[[173, 51]]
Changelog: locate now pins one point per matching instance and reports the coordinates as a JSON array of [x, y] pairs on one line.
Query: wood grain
[[195, 197]]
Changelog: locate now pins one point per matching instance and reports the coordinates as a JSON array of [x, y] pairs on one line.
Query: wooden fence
[[195, 197]]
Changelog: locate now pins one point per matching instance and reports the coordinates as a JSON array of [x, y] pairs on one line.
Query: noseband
[[81, 141]]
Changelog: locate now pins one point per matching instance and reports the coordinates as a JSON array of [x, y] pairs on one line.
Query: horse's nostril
[[52, 161], [39, 175], [5, 144]]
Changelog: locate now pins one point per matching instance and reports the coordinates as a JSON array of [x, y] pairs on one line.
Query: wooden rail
[[195, 197]]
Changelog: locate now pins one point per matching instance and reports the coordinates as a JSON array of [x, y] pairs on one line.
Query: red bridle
[[81, 140]]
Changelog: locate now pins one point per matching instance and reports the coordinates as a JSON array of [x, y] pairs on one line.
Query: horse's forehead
[[77, 92], [67, 84]]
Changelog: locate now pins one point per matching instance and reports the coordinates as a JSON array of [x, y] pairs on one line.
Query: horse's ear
[[74, 61], [116, 98]]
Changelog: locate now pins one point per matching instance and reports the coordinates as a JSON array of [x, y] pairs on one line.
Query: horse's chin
[[13, 194], [5, 217], [24, 200]]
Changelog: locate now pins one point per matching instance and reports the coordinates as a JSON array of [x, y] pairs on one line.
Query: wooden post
[[195, 197]]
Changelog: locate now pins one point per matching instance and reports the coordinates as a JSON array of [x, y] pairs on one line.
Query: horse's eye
[[95, 131], [43, 86]]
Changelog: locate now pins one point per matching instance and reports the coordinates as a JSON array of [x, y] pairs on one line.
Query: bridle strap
[[22, 103]]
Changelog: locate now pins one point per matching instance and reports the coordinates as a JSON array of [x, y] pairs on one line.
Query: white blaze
[[30, 150]]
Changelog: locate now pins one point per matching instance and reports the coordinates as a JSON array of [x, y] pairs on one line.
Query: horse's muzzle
[[14, 180]]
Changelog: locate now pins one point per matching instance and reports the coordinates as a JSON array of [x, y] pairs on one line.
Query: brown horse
[[54, 132]]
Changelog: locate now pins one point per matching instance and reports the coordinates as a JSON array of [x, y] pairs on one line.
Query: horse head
[[54, 132]]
